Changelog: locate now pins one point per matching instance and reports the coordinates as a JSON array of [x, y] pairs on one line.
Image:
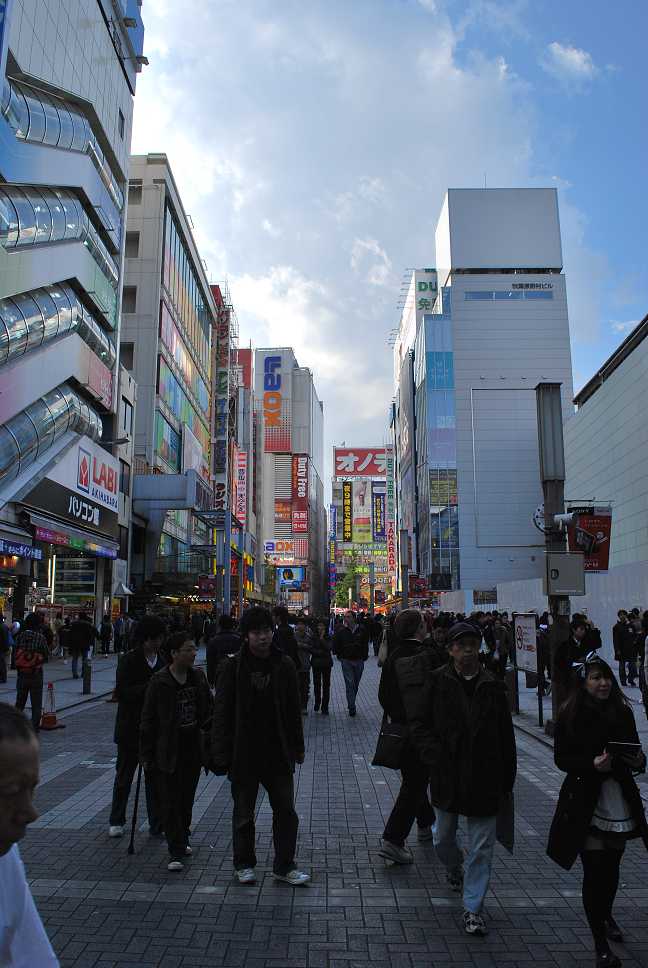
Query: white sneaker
[[175, 865], [116, 830], [295, 878], [246, 875]]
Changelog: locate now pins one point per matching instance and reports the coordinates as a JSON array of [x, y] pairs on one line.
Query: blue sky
[[312, 142]]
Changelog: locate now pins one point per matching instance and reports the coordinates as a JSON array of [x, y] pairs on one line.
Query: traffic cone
[[48, 718]]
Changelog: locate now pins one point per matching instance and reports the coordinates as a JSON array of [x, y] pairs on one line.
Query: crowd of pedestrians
[[446, 720]]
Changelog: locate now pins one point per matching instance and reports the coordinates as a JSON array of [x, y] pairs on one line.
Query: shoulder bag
[[391, 744]]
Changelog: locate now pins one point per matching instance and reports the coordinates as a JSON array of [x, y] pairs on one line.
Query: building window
[[126, 354], [124, 478], [123, 543], [132, 245], [127, 416], [122, 125], [129, 299], [135, 193]]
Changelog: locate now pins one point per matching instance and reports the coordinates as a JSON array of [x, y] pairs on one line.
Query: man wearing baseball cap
[[461, 724]]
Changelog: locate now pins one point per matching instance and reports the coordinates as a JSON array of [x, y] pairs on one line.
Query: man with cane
[[134, 672]]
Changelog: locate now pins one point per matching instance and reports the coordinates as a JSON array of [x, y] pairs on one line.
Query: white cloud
[[377, 273], [619, 327], [572, 66]]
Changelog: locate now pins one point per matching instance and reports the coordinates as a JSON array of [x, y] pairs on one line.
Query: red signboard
[[300, 494], [360, 462], [207, 586], [282, 511], [590, 532]]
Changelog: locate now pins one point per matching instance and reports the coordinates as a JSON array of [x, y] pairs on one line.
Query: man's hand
[[603, 763], [300, 758]]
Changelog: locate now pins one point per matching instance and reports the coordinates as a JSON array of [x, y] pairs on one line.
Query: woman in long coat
[[599, 807]]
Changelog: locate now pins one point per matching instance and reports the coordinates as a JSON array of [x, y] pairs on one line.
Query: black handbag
[[391, 744]]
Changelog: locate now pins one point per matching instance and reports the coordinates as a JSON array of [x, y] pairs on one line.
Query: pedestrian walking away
[[257, 738], [223, 643], [304, 638], [599, 807], [134, 672], [175, 720], [31, 654], [106, 634], [412, 802], [351, 645], [23, 942], [460, 723], [284, 635], [80, 640], [322, 663], [626, 648]]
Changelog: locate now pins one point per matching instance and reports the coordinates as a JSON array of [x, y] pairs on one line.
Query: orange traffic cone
[[48, 717]]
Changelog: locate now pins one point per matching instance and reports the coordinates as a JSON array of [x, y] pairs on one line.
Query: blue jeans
[[352, 670], [480, 836]]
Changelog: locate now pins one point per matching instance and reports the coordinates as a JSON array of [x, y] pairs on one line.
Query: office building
[[291, 522], [464, 415], [65, 124], [169, 321]]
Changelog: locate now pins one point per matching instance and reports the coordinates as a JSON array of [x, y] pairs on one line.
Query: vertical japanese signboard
[[347, 511], [390, 511], [241, 487], [221, 409], [300, 494], [379, 525], [332, 521]]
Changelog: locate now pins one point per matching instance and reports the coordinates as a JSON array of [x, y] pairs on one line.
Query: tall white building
[[67, 77], [290, 451], [465, 408]]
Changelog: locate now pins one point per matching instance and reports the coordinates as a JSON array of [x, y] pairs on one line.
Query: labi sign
[[90, 471]]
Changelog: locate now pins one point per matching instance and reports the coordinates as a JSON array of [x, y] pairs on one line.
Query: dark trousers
[[631, 675], [30, 685], [412, 802], [176, 795], [127, 762], [600, 883], [284, 820], [322, 686]]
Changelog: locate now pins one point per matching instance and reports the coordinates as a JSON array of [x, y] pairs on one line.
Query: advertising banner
[[347, 511], [332, 549], [276, 404], [525, 642], [378, 509], [240, 508], [300, 494], [192, 452], [292, 577], [332, 520], [590, 532], [221, 409], [362, 512], [390, 493], [99, 379], [283, 511], [359, 461], [207, 586]]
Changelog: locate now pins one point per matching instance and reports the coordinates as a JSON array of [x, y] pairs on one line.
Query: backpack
[[29, 658]]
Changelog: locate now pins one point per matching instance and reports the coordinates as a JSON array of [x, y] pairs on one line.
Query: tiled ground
[[105, 908]]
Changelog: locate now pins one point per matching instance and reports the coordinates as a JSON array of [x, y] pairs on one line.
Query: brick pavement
[[103, 908]]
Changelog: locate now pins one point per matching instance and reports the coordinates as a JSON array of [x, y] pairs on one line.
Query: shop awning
[[122, 591], [56, 532]]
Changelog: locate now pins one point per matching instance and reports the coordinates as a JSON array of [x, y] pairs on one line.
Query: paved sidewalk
[[68, 691], [106, 909]]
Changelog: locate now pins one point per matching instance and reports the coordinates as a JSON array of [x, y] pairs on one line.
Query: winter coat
[[625, 642], [284, 640], [158, 725], [219, 647], [353, 646], [133, 676], [389, 692], [232, 739], [321, 657], [574, 754], [467, 745], [304, 649]]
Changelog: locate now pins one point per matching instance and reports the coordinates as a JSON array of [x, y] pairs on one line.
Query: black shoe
[[352, 712], [315, 709], [613, 930], [325, 712], [607, 959]]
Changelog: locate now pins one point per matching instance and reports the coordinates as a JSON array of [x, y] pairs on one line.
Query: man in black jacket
[[80, 640], [284, 635], [461, 725], [351, 645], [225, 643], [626, 648], [257, 738], [412, 802], [134, 673]]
